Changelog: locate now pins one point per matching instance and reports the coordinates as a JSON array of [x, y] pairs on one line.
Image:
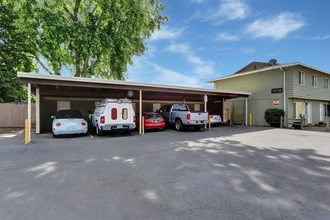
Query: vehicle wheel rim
[[177, 126]]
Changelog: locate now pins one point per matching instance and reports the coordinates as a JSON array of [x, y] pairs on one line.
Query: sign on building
[[277, 90], [276, 102]]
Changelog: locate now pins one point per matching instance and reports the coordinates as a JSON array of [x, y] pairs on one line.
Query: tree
[[14, 56], [273, 116], [95, 37]]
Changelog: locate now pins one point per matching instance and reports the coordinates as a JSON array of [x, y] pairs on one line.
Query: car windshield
[[180, 108], [68, 114], [153, 116]]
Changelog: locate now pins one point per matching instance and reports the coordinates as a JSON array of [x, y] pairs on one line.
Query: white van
[[113, 114]]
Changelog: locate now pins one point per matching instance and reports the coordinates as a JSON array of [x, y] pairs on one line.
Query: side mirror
[[52, 117], [160, 111]]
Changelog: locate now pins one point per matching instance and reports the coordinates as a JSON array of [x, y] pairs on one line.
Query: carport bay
[[58, 92]]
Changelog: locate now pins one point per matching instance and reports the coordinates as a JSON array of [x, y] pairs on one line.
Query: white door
[[308, 112], [322, 112]]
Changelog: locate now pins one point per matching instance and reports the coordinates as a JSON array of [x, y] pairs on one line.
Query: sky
[[207, 39]]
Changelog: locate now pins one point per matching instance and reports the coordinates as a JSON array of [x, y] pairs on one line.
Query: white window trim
[[302, 73], [326, 79], [314, 81]]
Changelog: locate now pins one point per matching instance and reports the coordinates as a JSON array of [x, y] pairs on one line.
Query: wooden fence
[[292, 122], [13, 115]]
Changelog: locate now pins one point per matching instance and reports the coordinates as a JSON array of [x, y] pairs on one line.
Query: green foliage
[[14, 56], [95, 37], [273, 116]]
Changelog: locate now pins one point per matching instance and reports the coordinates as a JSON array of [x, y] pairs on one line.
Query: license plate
[[119, 126], [155, 121], [71, 127]]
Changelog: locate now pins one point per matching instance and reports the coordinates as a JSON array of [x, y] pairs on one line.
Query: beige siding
[[14, 115], [307, 91], [260, 85]]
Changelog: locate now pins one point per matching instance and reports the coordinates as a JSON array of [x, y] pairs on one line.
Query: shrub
[[273, 116]]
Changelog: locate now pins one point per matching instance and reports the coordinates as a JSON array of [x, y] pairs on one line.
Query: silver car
[[215, 118], [69, 122]]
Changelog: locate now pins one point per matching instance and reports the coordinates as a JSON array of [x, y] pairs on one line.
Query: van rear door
[[119, 113]]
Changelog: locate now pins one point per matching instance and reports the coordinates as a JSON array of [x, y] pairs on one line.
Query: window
[[152, 116], [99, 110], [326, 83], [162, 109], [301, 78], [180, 108], [155, 107], [124, 112], [114, 114], [197, 107], [314, 81], [63, 105]]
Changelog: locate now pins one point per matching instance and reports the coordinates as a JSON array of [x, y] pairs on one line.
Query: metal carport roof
[[60, 86]]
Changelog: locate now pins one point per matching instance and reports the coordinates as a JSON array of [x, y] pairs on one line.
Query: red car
[[152, 120]]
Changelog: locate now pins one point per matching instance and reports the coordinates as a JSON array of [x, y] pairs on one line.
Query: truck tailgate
[[198, 116]]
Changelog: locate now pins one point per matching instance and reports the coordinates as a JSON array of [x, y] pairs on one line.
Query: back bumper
[[117, 127]]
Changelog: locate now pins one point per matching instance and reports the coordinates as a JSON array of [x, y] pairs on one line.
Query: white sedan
[[69, 122], [215, 118]]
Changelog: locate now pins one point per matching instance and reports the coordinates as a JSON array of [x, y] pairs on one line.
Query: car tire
[[54, 135], [98, 131], [127, 131], [178, 125], [161, 129]]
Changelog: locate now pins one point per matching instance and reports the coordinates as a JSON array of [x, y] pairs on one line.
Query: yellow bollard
[[250, 119], [142, 125], [209, 123], [27, 131]]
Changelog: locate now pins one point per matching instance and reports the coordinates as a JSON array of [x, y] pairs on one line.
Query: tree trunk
[[78, 60], [85, 67]]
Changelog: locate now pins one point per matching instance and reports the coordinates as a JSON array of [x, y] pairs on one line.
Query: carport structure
[[49, 90]]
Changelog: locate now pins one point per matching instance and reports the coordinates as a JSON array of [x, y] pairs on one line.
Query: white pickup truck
[[180, 116], [113, 114]]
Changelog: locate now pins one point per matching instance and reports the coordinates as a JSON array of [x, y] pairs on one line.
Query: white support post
[[284, 91], [284, 94], [205, 107], [140, 115], [37, 111], [205, 103], [29, 110], [223, 109], [246, 111]]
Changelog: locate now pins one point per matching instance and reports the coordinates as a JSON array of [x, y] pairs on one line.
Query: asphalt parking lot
[[227, 173]]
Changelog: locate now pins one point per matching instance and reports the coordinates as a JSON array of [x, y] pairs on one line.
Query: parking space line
[[91, 136]]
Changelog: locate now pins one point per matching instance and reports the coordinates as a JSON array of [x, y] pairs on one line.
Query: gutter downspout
[[284, 90]]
